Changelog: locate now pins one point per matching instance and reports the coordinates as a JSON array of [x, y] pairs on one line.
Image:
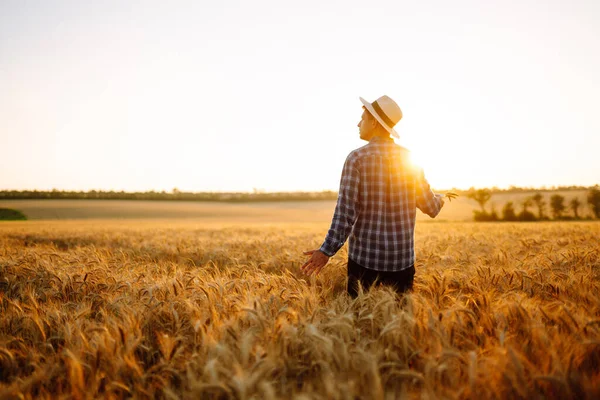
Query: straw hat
[[386, 112]]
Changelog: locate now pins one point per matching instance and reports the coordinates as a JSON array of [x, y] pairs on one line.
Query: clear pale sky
[[235, 95]]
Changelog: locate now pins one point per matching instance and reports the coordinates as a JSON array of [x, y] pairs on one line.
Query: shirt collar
[[381, 139]]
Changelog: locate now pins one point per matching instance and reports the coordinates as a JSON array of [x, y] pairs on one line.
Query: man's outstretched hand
[[451, 195], [315, 263]]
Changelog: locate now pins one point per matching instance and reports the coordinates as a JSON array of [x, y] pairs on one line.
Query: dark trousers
[[401, 281]]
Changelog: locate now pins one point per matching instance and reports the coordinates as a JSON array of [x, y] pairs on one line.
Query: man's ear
[[374, 122]]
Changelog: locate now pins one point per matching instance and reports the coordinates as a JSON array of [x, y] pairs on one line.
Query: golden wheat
[[185, 311]]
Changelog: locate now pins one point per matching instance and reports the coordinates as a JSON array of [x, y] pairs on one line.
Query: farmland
[[188, 309], [318, 211]]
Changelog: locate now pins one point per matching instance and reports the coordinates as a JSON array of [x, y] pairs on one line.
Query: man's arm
[[346, 212], [427, 201]]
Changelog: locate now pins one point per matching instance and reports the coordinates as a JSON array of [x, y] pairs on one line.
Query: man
[[380, 190]]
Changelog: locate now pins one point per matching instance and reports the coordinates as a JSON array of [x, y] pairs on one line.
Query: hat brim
[[371, 110]]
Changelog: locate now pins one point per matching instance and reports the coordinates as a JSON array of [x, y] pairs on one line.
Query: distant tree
[[493, 213], [593, 200], [481, 196], [526, 215], [557, 203], [8, 214], [575, 204], [484, 216], [538, 199], [508, 212], [480, 216], [528, 202]]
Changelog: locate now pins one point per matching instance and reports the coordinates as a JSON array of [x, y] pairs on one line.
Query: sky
[[263, 95]]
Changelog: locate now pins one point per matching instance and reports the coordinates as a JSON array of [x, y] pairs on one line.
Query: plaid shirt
[[380, 191]]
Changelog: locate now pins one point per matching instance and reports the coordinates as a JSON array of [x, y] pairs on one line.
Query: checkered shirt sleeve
[[346, 209], [427, 201]]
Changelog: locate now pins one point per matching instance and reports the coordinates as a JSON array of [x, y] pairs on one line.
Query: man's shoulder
[[402, 150], [369, 148], [356, 154], [402, 155]]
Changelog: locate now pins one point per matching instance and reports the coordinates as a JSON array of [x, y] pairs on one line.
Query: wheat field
[[151, 309]]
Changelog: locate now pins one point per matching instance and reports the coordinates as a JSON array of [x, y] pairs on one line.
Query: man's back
[[380, 190]]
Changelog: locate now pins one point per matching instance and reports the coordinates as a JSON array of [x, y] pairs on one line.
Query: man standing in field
[[380, 190]]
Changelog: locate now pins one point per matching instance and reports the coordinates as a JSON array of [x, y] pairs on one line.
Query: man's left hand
[[316, 262], [451, 195]]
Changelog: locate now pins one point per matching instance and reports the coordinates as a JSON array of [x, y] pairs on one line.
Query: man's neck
[[380, 138]]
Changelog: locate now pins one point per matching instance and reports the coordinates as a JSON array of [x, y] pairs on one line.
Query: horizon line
[[264, 191]]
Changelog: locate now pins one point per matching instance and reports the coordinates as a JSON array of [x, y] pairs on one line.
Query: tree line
[[174, 195], [558, 207]]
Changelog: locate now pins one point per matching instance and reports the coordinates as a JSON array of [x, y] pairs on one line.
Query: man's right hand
[[315, 264]]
